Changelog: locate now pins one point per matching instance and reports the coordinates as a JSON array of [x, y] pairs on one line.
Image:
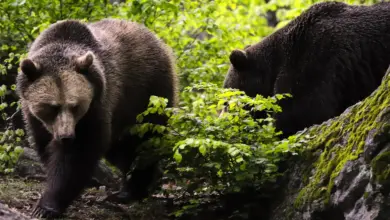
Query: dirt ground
[[22, 194], [22, 189]]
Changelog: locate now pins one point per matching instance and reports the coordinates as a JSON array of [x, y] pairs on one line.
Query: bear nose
[[67, 139]]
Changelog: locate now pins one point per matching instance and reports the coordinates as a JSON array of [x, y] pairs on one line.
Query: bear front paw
[[44, 212]]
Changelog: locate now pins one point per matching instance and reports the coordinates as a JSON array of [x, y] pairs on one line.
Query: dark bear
[[81, 87], [328, 58]]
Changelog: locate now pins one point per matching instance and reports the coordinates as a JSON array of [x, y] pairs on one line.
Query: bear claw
[[44, 212]]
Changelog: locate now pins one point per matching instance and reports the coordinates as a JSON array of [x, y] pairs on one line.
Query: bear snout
[[67, 139], [64, 130]]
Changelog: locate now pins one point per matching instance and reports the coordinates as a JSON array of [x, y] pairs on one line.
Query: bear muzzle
[[66, 139], [64, 129]]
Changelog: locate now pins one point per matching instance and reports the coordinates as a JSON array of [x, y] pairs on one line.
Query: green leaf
[[202, 150], [178, 157], [140, 118]]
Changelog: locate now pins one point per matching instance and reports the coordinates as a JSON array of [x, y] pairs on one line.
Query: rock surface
[[346, 172]]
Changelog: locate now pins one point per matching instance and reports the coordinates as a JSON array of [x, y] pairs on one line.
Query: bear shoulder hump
[[67, 30]]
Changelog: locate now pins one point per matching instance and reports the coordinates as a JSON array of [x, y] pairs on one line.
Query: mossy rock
[[381, 168], [361, 131]]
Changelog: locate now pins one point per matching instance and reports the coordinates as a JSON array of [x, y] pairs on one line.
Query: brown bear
[[328, 58], [81, 87]]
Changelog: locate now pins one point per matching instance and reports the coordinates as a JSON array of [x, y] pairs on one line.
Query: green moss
[[381, 168], [342, 139], [366, 194]]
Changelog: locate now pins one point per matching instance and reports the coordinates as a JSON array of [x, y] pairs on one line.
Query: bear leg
[[147, 173], [143, 178], [122, 154], [68, 172]]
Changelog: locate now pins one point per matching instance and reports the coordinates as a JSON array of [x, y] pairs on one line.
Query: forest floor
[[22, 189], [22, 194]]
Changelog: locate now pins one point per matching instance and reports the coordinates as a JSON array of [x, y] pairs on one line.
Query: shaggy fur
[[330, 57], [81, 86]]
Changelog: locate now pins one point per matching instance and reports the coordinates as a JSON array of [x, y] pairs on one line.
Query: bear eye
[[49, 106], [48, 111], [52, 107], [74, 108]]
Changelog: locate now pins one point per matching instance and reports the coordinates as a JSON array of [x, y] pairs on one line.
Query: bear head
[[54, 86], [253, 70], [249, 72]]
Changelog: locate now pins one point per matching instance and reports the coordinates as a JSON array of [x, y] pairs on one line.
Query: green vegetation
[[205, 153], [10, 149], [219, 154]]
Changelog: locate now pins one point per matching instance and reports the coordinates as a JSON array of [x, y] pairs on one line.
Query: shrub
[[219, 154]]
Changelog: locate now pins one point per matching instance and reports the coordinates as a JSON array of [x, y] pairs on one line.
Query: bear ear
[[83, 62], [30, 69], [239, 59]]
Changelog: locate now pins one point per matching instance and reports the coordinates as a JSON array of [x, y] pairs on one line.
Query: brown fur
[[328, 58], [72, 99], [92, 79]]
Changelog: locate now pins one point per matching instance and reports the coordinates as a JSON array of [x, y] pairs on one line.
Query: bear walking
[[330, 57], [81, 87]]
